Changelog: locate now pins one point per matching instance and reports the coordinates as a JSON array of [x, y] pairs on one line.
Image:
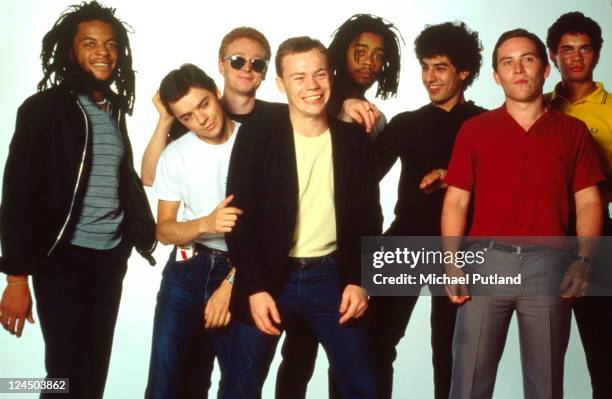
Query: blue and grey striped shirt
[[99, 224]]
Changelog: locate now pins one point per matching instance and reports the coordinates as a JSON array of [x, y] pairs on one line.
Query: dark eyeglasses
[[237, 62]]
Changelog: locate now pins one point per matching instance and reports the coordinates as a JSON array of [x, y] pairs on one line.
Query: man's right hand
[[360, 111], [264, 311], [164, 115], [458, 293], [223, 218], [16, 305]]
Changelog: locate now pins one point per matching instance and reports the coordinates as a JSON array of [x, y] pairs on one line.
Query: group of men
[[275, 199]]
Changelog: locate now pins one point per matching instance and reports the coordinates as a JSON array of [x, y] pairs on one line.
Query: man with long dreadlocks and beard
[[72, 205]]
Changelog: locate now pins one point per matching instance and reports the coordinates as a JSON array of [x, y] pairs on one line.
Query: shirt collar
[[599, 96]]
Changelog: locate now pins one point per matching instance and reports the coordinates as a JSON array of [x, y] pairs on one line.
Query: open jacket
[[263, 177], [45, 179]]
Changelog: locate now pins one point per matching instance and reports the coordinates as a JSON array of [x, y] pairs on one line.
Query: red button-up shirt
[[523, 182]]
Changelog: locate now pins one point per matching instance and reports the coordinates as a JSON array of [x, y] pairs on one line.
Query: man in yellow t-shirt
[[574, 43]]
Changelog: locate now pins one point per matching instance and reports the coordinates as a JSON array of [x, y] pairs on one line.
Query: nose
[[247, 67], [518, 67], [102, 49], [201, 117], [312, 83], [429, 75]]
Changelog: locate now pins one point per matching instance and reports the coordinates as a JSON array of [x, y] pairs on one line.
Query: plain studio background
[[170, 33]]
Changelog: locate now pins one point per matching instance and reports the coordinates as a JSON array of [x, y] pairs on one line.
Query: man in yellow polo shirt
[[574, 43]]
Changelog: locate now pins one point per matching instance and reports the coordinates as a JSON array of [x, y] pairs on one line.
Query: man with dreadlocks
[[72, 205], [364, 50], [450, 58]]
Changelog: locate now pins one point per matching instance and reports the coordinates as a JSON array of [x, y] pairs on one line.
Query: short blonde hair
[[248, 33]]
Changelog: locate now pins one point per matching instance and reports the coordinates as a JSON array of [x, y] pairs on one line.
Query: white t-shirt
[[195, 173]]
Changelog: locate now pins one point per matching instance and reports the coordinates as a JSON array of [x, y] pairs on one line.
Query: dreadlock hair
[[349, 31], [454, 40], [58, 65]]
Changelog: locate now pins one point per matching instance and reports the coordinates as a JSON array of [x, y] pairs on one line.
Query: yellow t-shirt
[[315, 232], [596, 111]]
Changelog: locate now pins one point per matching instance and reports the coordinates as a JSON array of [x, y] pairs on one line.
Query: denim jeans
[[183, 352], [313, 292]]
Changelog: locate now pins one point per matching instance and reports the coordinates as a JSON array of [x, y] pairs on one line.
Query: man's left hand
[[576, 280], [354, 303]]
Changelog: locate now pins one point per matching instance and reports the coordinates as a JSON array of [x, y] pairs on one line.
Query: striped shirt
[[99, 223]]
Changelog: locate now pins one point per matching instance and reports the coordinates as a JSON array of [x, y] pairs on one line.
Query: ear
[[546, 71], [496, 77], [463, 75], [219, 94], [553, 57], [221, 67], [280, 84]]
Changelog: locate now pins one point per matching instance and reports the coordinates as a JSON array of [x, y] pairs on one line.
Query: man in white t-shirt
[[197, 280]]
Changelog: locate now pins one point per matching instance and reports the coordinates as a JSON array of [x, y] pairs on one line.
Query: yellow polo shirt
[[596, 111], [315, 233]]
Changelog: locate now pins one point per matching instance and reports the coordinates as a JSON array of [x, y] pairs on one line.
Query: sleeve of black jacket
[[242, 241], [369, 221], [20, 191]]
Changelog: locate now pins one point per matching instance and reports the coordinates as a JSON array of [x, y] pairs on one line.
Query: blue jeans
[[183, 352], [313, 292]]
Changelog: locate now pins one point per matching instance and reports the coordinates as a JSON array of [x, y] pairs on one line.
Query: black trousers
[[594, 319], [77, 299]]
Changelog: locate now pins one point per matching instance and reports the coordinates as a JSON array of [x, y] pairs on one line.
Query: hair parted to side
[[177, 83], [574, 22], [456, 41], [521, 33], [297, 45], [55, 55], [241, 33], [348, 32]]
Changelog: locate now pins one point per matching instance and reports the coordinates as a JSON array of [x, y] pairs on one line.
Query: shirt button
[[524, 178], [522, 202], [520, 224], [524, 156]]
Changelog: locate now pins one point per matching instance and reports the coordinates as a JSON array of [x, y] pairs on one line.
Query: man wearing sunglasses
[[243, 61]]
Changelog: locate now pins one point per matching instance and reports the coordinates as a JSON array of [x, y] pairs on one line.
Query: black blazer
[[263, 177]]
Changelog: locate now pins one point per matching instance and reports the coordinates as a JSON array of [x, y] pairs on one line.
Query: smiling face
[[244, 81], [444, 84], [306, 81], [520, 71], [201, 112], [95, 49], [364, 58], [575, 58]]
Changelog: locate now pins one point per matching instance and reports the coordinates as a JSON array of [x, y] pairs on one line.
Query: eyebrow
[[521, 56], [197, 106]]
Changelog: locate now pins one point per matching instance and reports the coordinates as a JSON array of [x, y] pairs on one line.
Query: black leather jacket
[[45, 180]]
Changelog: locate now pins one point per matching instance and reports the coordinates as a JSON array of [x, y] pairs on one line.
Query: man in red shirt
[[528, 169]]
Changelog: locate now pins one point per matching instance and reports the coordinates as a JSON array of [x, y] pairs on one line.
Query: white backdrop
[[170, 33]]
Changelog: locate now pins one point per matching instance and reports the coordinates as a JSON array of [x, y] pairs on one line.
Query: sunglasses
[[237, 62]]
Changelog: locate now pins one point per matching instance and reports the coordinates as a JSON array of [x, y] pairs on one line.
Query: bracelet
[[230, 278]]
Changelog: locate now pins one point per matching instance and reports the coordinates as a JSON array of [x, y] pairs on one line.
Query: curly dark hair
[[59, 67], [388, 78], [454, 40], [574, 22]]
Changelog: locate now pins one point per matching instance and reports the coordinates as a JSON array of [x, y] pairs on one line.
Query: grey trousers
[[543, 322]]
